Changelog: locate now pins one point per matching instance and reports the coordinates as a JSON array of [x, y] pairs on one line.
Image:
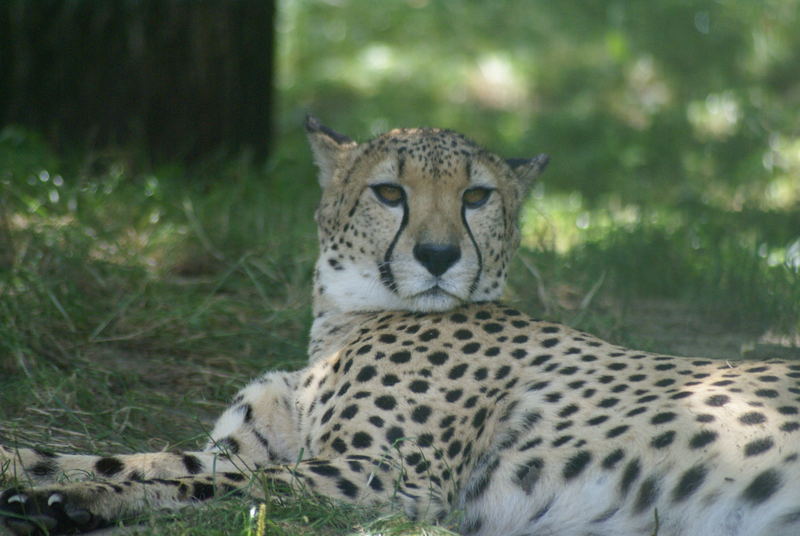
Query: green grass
[[134, 300]]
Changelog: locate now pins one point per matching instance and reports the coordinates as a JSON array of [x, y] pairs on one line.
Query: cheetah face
[[416, 219]]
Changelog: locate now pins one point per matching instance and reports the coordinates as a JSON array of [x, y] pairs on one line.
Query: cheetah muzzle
[[424, 394]]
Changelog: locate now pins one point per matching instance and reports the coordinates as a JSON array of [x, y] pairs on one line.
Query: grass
[[135, 300]]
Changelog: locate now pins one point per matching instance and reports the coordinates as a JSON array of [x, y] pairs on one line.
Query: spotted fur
[[424, 394]]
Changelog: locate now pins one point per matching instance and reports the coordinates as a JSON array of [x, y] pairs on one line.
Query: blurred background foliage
[[146, 271]]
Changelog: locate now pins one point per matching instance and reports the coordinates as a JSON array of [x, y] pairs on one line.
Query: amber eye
[[476, 197], [389, 194]]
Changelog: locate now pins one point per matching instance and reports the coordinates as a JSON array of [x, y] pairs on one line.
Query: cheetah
[[425, 394]]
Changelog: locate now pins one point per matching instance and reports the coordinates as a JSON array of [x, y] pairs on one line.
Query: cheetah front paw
[[36, 511]]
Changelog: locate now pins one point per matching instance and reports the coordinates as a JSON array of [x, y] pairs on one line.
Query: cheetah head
[[415, 219]]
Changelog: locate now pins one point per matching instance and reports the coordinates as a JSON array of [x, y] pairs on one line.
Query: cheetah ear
[[328, 148], [527, 169]]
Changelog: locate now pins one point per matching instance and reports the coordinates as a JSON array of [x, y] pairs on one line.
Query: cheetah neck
[[332, 326]]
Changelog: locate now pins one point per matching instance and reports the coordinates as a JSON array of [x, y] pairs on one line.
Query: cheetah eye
[[476, 197], [389, 194]]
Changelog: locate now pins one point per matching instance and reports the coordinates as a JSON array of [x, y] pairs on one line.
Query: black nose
[[437, 258]]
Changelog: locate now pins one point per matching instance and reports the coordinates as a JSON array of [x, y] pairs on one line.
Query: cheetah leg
[[84, 506], [32, 466]]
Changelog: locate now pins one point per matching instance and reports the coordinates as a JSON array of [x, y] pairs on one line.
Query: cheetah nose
[[437, 258]]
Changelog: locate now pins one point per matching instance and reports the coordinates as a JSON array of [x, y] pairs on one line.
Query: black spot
[[758, 446], [344, 388], [421, 414], [528, 474], [753, 417], [339, 445], [419, 386], [576, 464], [541, 359], [661, 418], [236, 477], [549, 343], [717, 400], [519, 353], [457, 371], [768, 379], [192, 464], [629, 475], [790, 427], [394, 433], [458, 318], [453, 395], [429, 335], [568, 371], [767, 393], [386, 402], [648, 493], [705, 417], [788, 410], [477, 486], [366, 373], [347, 488], [597, 420], [636, 411], [619, 430], [690, 482], [682, 394], [610, 461], [608, 402], [491, 352], [376, 421], [568, 410], [463, 334], [561, 440], [375, 483], [701, 439], [437, 358], [388, 338], [763, 486], [492, 327], [664, 383], [389, 380], [324, 469], [663, 440], [349, 412], [327, 415], [400, 357], [202, 491], [480, 374], [364, 349], [108, 466], [44, 468], [479, 418], [425, 440], [470, 348], [502, 372], [454, 449]]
